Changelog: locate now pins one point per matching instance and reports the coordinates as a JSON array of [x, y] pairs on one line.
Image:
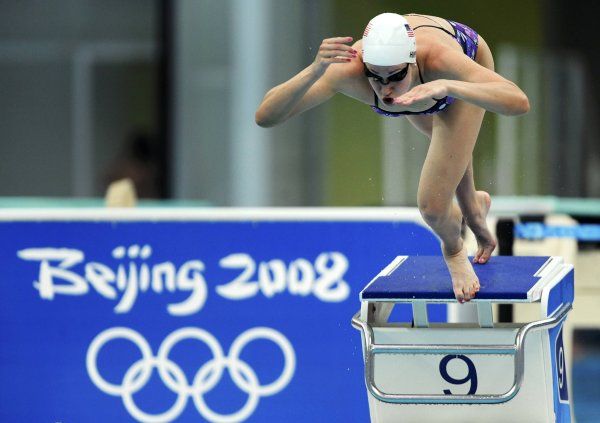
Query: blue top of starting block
[[502, 278]]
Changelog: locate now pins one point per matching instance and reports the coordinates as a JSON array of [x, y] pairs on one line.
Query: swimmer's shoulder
[[353, 70], [349, 78]]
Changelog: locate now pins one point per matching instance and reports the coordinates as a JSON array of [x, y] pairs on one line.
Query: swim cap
[[388, 40]]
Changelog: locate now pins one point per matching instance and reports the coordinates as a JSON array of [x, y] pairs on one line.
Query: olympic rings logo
[[206, 378]]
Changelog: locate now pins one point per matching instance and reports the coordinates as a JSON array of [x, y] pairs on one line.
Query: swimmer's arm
[[307, 89], [502, 97], [311, 87], [478, 85], [455, 75]]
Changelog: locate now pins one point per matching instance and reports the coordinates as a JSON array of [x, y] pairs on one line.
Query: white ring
[[169, 415], [206, 378], [248, 408], [108, 335], [193, 333], [288, 354]]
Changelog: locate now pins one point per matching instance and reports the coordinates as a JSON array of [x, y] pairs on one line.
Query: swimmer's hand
[[423, 93], [334, 50]]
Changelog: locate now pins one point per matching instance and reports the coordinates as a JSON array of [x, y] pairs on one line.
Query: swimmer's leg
[[475, 206], [454, 134]]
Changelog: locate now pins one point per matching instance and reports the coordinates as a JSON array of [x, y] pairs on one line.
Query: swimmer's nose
[[386, 94]]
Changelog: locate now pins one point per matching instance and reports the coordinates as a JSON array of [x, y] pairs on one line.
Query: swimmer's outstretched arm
[[457, 76], [309, 88]]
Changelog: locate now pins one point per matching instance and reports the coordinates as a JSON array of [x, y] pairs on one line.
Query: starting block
[[467, 372]]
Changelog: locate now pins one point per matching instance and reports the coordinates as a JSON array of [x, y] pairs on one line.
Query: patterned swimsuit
[[468, 40]]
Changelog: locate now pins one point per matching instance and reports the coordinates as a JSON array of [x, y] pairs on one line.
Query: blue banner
[[539, 231], [219, 321]]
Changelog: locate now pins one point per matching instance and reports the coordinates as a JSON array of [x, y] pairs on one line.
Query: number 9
[[471, 376], [561, 367]]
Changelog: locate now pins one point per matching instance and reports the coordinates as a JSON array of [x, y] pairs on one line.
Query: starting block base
[[454, 372]]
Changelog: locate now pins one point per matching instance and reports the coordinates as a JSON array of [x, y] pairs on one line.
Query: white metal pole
[[506, 141], [251, 61], [395, 165]]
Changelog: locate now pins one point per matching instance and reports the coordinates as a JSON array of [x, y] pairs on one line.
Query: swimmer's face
[[388, 81]]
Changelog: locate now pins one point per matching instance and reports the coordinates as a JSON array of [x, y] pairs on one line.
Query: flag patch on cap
[[409, 31], [367, 29]]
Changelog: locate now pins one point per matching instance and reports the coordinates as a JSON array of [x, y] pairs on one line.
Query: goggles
[[396, 77]]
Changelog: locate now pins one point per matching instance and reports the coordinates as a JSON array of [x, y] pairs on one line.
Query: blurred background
[[164, 93]]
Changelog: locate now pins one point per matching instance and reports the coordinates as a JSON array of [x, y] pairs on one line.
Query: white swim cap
[[388, 40]]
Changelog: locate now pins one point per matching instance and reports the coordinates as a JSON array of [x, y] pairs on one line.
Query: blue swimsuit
[[468, 40]]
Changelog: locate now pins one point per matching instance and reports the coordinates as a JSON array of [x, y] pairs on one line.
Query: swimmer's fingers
[[332, 47], [408, 100], [414, 95], [337, 40], [338, 59], [338, 53], [333, 50], [404, 100], [430, 90]]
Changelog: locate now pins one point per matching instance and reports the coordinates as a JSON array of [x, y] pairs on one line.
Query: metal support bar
[[442, 349], [517, 349], [485, 315], [420, 318]]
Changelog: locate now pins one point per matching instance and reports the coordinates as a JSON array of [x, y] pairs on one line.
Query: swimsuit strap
[[438, 27], [423, 16], [420, 76], [433, 26]]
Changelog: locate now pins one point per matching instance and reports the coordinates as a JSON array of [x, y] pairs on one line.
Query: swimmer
[[437, 73]]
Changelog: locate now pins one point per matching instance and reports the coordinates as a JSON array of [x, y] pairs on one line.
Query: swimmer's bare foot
[[464, 280], [477, 223]]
